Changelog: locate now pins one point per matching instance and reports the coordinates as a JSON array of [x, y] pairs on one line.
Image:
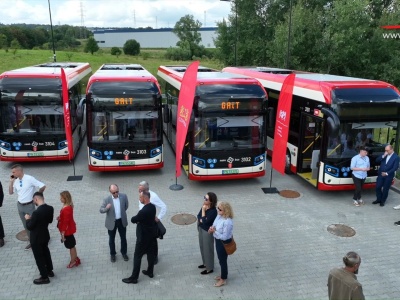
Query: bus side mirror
[[80, 110], [166, 114], [332, 121]]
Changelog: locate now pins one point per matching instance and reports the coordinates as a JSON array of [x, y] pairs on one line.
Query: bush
[[177, 54], [131, 47], [116, 51]]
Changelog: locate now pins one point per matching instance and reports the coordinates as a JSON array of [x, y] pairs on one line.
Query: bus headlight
[[259, 159], [5, 145], [156, 151], [199, 162], [96, 154]]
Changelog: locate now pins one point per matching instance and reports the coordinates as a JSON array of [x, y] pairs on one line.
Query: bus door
[[309, 147]]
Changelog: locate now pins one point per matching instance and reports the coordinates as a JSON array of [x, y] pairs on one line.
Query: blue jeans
[[122, 235], [222, 257]]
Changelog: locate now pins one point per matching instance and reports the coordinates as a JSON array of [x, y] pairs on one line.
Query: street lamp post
[[52, 37], [236, 26], [289, 36]]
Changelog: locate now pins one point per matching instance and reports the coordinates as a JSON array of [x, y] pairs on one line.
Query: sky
[[113, 13]]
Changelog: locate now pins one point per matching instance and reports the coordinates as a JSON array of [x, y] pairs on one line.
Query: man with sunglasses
[[25, 186], [115, 206]]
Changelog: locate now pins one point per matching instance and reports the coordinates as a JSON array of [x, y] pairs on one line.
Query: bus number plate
[[35, 154], [231, 171], [126, 163]]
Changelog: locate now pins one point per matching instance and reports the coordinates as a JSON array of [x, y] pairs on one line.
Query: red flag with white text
[[282, 124], [185, 104], [67, 115]]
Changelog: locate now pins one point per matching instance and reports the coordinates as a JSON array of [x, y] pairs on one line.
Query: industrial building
[[149, 38]]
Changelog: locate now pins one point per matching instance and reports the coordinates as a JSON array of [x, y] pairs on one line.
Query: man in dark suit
[[389, 163], [1, 222], [115, 207], [39, 238], [146, 238]]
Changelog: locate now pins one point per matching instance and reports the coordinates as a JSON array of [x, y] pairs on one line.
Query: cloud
[[113, 13]]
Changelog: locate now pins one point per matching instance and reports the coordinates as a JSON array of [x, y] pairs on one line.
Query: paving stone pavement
[[284, 248]]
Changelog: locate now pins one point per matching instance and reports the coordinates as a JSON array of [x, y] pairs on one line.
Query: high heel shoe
[[76, 263]]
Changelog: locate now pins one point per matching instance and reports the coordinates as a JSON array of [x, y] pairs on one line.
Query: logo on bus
[[34, 145], [230, 162], [126, 154]]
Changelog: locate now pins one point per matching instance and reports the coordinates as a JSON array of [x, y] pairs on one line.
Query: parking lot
[[284, 248]]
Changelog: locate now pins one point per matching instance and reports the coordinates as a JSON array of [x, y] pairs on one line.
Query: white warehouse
[[149, 38]]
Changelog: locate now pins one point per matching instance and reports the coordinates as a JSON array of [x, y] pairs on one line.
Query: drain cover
[[341, 230], [22, 236], [183, 219], [289, 194]]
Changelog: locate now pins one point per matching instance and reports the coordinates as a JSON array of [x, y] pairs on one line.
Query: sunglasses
[[206, 199]]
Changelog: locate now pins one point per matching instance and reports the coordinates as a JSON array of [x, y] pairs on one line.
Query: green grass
[[150, 59]]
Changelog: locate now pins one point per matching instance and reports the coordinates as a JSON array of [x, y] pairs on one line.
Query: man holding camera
[[25, 186]]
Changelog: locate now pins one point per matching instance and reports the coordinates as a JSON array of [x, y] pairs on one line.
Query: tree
[[116, 51], [131, 47], [187, 31], [15, 45], [91, 46], [3, 41]]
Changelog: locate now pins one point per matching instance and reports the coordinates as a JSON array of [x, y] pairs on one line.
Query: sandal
[[221, 282], [217, 277]]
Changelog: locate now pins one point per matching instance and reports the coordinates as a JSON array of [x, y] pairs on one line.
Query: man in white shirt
[[156, 200], [25, 186]]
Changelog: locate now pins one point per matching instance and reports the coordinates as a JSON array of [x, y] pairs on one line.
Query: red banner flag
[[282, 124], [185, 104], [67, 115]]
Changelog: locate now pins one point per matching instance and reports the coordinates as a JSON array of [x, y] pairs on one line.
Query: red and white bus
[[331, 117], [36, 122], [124, 119], [226, 135]]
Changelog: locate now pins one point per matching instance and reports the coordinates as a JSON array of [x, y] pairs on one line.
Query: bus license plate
[[230, 171], [126, 163], [35, 154]]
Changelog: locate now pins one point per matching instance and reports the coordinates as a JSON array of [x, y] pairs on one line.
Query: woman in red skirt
[[67, 227]]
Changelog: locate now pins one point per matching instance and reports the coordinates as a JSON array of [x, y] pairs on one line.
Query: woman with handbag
[[67, 227], [222, 230], [205, 219]]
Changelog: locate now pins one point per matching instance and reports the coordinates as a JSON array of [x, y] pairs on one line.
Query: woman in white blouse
[[222, 230]]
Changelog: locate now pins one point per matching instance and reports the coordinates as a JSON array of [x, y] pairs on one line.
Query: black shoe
[[113, 258], [397, 223], [205, 272], [376, 202], [1, 242], [382, 204], [156, 260], [50, 273], [145, 272], [126, 258], [41, 280], [201, 267], [129, 280]]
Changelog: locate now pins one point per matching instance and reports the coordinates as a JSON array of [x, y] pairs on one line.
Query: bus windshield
[[31, 106], [125, 111], [229, 132]]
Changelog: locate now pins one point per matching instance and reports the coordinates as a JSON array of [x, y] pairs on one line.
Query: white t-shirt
[[26, 187], [158, 203]]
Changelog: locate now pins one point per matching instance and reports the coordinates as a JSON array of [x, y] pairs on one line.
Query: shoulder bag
[[230, 247]]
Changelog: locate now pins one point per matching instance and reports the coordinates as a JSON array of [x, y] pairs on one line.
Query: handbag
[[161, 230], [230, 247]]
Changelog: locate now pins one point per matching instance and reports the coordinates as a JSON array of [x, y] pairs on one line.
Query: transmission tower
[[83, 31]]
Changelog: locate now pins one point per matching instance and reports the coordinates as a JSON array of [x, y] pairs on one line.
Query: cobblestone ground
[[284, 248]]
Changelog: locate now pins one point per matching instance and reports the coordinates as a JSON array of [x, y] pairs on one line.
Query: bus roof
[[174, 76], [121, 72], [73, 71], [310, 85]]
